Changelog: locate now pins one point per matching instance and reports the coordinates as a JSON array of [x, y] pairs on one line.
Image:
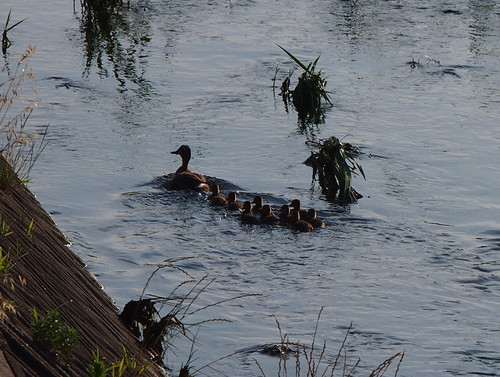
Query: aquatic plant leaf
[[17, 23], [301, 65]]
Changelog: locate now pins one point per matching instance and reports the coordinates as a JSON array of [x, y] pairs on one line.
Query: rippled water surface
[[414, 265]]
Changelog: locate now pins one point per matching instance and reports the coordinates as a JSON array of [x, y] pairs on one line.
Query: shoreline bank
[[44, 274]]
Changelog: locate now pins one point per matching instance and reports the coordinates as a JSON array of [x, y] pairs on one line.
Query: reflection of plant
[[50, 332], [334, 164], [110, 33], [20, 148], [309, 91]]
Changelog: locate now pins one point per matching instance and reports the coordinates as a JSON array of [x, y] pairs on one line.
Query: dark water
[[415, 265]]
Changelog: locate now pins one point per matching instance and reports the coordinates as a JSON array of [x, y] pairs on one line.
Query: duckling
[[247, 216], [232, 203], [267, 216], [184, 178], [259, 202], [285, 215], [295, 204], [300, 225], [314, 220], [216, 198]]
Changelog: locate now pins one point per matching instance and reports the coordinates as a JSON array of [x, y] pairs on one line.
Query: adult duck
[[185, 179], [216, 198]]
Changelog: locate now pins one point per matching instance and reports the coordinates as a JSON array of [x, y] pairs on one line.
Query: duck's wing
[[187, 181]]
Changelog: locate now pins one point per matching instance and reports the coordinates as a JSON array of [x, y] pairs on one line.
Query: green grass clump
[[9, 258], [126, 366], [309, 91], [53, 334], [333, 166], [6, 262]]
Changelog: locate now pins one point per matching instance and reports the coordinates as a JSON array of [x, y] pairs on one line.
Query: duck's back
[[187, 181], [302, 226]]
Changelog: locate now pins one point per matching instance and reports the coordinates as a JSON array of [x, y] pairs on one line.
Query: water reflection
[[119, 35], [484, 22], [352, 24]]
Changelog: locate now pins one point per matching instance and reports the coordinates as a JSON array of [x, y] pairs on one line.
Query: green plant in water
[[126, 366], [5, 39], [333, 165], [309, 91], [52, 334]]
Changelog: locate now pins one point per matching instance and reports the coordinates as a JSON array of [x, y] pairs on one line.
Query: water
[[414, 265]]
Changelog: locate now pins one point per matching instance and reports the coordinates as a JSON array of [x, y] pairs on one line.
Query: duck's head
[[266, 210], [258, 201], [215, 189], [231, 196], [295, 204], [184, 151], [285, 210], [247, 206], [311, 212]]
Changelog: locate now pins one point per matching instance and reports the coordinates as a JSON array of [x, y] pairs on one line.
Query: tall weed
[[19, 147]]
